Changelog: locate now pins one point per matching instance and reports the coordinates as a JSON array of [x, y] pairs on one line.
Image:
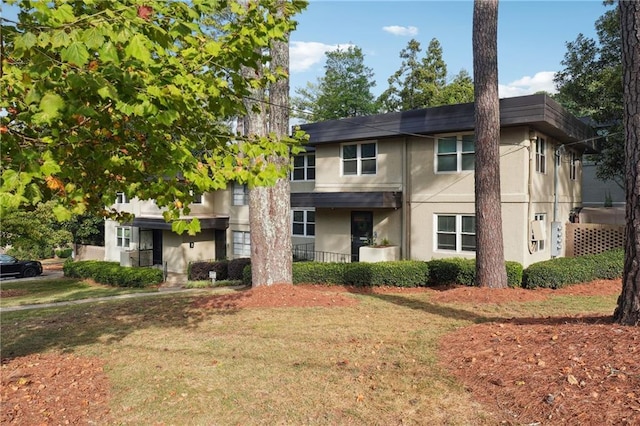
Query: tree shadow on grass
[[107, 322]]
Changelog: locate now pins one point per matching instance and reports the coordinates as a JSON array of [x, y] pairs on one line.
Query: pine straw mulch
[[551, 371]]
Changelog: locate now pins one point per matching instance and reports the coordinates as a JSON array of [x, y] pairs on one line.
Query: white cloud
[[305, 54], [527, 85], [400, 30]]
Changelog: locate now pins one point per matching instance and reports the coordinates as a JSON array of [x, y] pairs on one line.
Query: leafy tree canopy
[[134, 97], [343, 91], [590, 84]]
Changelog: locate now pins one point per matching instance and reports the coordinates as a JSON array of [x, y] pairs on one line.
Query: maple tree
[[134, 97]]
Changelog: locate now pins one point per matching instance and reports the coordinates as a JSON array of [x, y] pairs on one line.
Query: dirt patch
[[551, 371], [14, 292], [53, 389]]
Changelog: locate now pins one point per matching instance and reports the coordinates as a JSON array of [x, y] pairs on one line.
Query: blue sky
[[532, 37]]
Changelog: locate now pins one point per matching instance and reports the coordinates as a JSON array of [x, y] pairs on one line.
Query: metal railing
[[307, 252]]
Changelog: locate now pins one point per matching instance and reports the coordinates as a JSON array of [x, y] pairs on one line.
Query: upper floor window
[[123, 236], [240, 194], [573, 165], [455, 154], [456, 232], [304, 167], [241, 244], [541, 155], [121, 198], [359, 159], [304, 223]]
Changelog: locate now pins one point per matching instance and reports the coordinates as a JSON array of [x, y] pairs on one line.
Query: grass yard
[[24, 292], [169, 361]]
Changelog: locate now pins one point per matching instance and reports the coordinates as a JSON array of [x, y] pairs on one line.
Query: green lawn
[[24, 292], [374, 363]]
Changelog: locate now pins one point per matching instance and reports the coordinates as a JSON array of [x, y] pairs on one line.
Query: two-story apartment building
[[405, 177]]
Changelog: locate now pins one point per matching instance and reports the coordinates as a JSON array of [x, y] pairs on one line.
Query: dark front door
[[157, 246], [361, 232], [221, 244]]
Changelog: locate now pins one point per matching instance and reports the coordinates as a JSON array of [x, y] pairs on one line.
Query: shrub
[[236, 267], [200, 270], [318, 273], [458, 270], [111, 273], [64, 253], [563, 271], [403, 273]]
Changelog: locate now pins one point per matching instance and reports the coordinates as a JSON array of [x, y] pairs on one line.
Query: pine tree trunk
[[490, 267], [628, 310], [270, 207]]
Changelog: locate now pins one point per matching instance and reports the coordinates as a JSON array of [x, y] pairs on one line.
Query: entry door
[[157, 246], [221, 244], [361, 232]]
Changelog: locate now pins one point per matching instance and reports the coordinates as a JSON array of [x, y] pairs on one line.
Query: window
[[304, 167], [456, 233], [359, 159], [573, 166], [241, 244], [541, 155], [240, 194], [538, 231], [121, 198], [197, 197], [455, 154], [304, 223], [123, 236]]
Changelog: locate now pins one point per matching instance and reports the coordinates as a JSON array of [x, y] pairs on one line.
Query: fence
[[307, 252], [591, 238]]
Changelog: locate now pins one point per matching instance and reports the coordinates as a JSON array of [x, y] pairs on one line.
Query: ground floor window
[[304, 223], [241, 244], [456, 232], [123, 236], [539, 231]]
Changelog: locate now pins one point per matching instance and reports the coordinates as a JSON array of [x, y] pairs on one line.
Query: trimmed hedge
[[64, 253], [404, 273], [111, 273], [563, 271], [458, 270], [199, 271], [236, 268]]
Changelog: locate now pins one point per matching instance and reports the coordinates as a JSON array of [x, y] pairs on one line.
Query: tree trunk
[[628, 310], [490, 267], [270, 207]]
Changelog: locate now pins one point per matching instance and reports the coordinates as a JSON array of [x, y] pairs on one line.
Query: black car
[[12, 267]]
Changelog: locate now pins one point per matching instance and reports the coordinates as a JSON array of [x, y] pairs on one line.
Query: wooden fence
[[591, 238]]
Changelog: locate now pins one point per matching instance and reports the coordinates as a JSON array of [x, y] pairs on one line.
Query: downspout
[[404, 222], [532, 139], [556, 170]]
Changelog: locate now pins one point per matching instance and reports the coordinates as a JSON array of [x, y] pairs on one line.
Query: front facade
[[403, 178]]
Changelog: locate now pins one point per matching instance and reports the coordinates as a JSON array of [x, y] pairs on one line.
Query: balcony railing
[[307, 252]]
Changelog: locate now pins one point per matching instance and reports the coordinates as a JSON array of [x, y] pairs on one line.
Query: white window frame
[[459, 153], [306, 168], [458, 232], [308, 224], [540, 245], [241, 243], [121, 198], [573, 165], [240, 194], [358, 159], [541, 155], [123, 236]]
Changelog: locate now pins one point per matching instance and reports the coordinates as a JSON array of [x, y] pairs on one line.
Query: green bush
[[458, 270], [200, 270], [236, 267], [403, 273], [111, 273], [64, 253], [563, 271], [318, 273]]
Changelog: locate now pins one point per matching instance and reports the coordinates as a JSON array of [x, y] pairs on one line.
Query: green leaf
[[167, 117], [93, 38], [108, 92], [63, 14], [60, 38], [109, 53], [26, 41], [76, 53], [51, 104], [62, 213], [136, 49]]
